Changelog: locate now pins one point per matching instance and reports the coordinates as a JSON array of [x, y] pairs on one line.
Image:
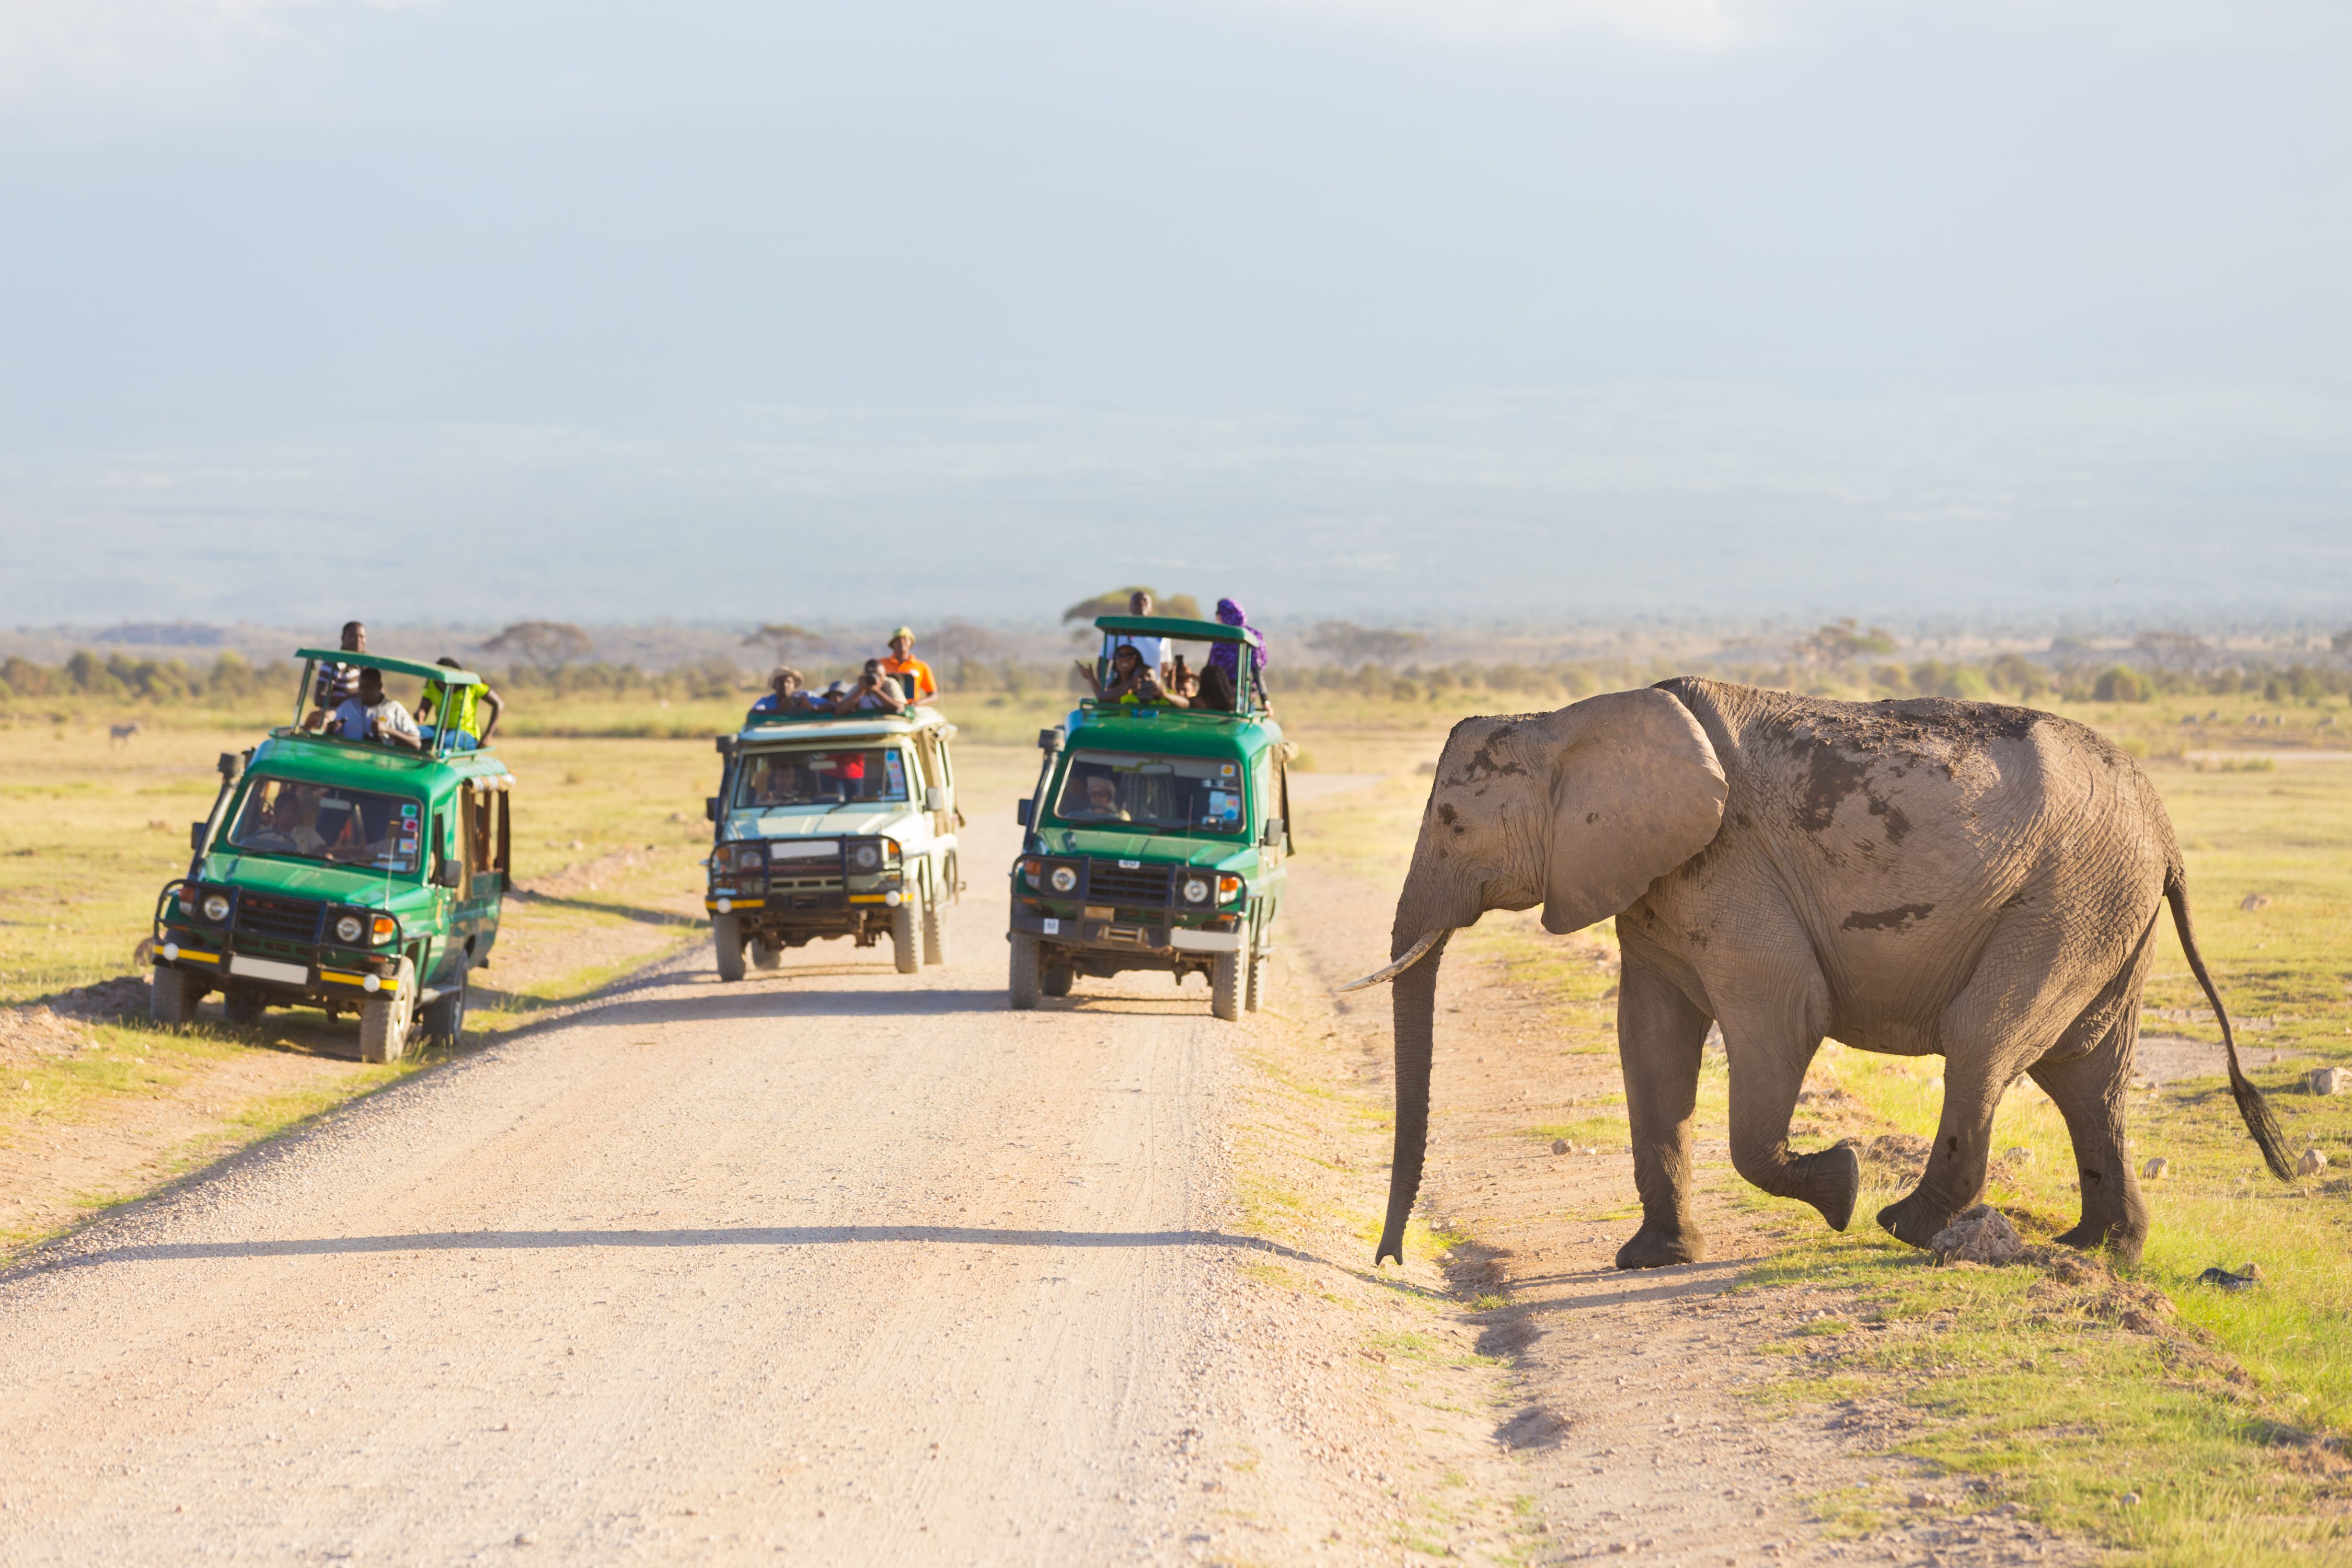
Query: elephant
[[1909, 877]]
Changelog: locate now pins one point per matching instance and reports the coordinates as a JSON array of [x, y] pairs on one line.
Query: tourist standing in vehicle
[[1226, 657], [786, 694], [469, 730], [1133, 680], [370, 716], [913, 676], [874, 693], [1153, 650], [339, 683]]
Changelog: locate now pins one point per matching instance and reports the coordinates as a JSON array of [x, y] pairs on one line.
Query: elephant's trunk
[[1415, 997]]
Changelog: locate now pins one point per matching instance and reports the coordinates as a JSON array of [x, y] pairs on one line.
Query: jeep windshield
[[767, 781], [1125, 789], [324, 822]]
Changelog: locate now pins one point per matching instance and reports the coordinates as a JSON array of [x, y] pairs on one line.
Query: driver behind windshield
[[287, 819]]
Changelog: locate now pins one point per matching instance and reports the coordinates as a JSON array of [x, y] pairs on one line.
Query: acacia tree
[[781, 638], [1114, 602], [1353, 645], [1843, 640], [545, 646]]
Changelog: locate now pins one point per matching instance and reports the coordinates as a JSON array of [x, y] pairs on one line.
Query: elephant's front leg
[[1769, 1051], [1660, 1035]]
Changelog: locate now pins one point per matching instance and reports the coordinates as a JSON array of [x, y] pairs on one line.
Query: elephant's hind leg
[[2087, 1086], [1660, 1036], [2033, 992]]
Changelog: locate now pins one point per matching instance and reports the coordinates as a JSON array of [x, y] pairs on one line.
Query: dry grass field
[[2212, 1437]]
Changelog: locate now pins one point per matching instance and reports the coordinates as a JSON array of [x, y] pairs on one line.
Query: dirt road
[[838, 1261]]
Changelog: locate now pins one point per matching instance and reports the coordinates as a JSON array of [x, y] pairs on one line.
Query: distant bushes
[[229, 681], [2121, 683]]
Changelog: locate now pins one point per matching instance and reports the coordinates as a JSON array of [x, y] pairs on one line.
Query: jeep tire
[[726, 945], [935, 933], [1225, 985], [385, 1020], [1027, 965], [904, 934], [1059, 978], [766, 955], [172, 996], [444, 1020]]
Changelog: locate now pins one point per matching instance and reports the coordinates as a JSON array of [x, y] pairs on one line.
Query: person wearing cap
[[914, 677]]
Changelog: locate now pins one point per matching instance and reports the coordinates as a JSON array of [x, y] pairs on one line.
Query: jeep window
[[1102, 788], [322, 822], [769, 780]]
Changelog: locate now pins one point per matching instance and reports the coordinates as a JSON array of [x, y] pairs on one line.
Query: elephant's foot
[[2123, 1242], [1831, 1181], [1915, 1219], [1663, 1246]]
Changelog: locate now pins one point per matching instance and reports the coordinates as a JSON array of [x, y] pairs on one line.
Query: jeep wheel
[[385, 1020], [765, 953], [903, 936], [1261, 976], [445, 1020], [1026, 977], [1226, 987], [1059, 977], [726, 944], [935, 933], [242, 1011], [172, 997]]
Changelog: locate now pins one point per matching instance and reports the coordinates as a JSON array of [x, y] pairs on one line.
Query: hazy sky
[[1394, 308]]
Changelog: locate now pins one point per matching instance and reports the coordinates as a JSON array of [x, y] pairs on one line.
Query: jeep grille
[[288, 919], [1108, 883]]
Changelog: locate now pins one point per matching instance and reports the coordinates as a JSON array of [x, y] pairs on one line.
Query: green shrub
[[2121, 683]]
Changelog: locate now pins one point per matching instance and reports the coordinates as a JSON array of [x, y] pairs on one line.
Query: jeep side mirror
[[935, 798], [196, 835], [1024, 809], [1050, 739], [448, 873], [1273, 831], [710, 808], [725, 744]]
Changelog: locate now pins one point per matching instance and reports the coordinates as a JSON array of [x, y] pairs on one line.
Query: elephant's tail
[[2261, 1121]]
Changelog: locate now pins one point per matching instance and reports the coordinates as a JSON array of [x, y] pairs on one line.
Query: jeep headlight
[[349, 929], [216, 907], [1196, 891], [867, 857], [1064, 878]]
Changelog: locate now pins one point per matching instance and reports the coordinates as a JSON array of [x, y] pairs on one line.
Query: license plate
[[809, 851], [1053, 926], [1131, 865], [252, 968]]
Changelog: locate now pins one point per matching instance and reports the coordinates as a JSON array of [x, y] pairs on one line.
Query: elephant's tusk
[[1413, 955]]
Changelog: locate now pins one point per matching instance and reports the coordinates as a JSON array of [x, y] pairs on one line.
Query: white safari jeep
[[833, 826]]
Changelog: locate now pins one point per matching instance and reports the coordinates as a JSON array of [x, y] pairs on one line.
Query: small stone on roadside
[[2020, 1155], [2312, 1162], [2223, 1280], [2326, 1080], [1919, 1499], [2129, 1500], [2253, 901], [2154, 1170], [1559, 1145], [526, 1538]]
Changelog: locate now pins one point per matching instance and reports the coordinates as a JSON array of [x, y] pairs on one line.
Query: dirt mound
[[52, 1028], [1980, 1235], [1899, 1156]]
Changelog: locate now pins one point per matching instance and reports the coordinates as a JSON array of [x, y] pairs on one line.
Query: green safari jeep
[[348, 875], [1157, 839]]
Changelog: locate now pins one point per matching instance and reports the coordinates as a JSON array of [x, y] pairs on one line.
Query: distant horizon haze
[[1395, 310]]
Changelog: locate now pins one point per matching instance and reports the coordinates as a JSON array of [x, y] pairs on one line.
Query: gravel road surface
[[834, 1264]]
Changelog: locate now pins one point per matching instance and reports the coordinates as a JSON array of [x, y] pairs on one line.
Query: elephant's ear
[[1636, 791]]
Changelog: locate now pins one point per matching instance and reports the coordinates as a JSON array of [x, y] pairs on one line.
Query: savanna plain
[[837, 1265]]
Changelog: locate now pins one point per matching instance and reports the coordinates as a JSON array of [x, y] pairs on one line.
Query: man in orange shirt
[[915, 677]]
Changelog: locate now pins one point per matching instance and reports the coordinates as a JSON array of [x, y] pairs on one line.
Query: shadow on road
[[746, 1236]]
